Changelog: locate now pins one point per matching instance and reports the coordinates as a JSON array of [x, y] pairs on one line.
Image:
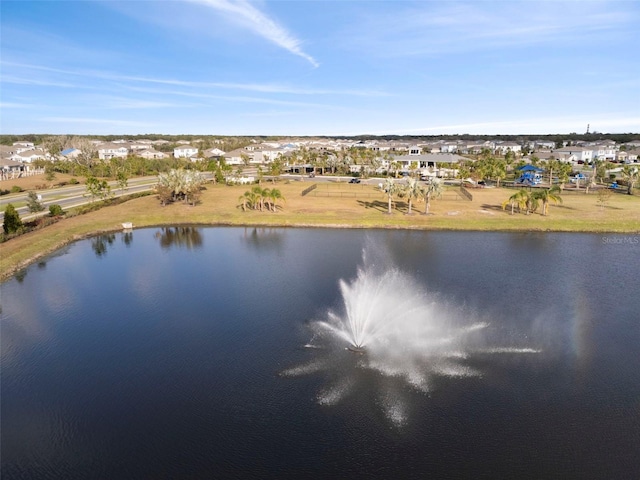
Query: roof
[[529, 168], [67, 151]]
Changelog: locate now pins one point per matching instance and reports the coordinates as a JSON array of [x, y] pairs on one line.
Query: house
[[505, 147], [29, 156], [604, 151], [543, 144], [574, 154], [185, 151], [71, 153], [213, 153], [107, 151], [138, 147], [10, 169], [236, 157], [441, 163], [151, 154], [20, 147]]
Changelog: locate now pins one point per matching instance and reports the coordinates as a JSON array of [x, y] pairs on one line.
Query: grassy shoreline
[[351, 206]]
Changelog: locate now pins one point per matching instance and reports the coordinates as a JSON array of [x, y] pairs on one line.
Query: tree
[[249, 200], [55, 210], [390, 188], [98, 189], [411, 190], [274, 196], [432, 190], [123, 180], [88, 153], [54, 144], [630, 174], [524, 200], [12, 222], [179, 184], [603, 197], [33, 202], [547, 195]]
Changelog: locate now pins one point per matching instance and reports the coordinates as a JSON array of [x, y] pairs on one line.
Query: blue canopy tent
[[529, 175], [529, 168]]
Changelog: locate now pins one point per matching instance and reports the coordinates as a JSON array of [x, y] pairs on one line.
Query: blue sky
[[240, 67]]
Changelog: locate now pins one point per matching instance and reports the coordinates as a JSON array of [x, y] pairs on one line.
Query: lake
[[216, 353]]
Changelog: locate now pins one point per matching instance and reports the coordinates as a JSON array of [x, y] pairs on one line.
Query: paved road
[[72, 196]]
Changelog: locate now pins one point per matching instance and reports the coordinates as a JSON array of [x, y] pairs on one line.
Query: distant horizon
[[322, 136], [319, 68]]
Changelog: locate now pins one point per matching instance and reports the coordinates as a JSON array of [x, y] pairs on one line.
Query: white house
[[574, 154], [505, 147], [213, 153], [29, 156], [107, 151], [234, 157], [185, 151], [604, 152], [151, 154]]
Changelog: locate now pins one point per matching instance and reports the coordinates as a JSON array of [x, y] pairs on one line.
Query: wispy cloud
[[438, 28], [37, 82], [236, 98], [258, 22], [99, 121], [254, 87]]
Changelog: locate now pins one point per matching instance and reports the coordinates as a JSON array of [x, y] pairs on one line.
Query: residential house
[[185, 151], [71, 153], [213, 153], [543, 144], [505, 147], [10, 169], [151, 154], [441, 163], [605, 151], [574, 154], [20, 147], [29, 156], [236, 157], [107, 151]]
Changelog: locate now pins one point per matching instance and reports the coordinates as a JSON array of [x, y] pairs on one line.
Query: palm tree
[[274, 195], [546, 195], [520, 198], [390, 188], [432, 190], [260, 195], [630, 174], [411, 190]]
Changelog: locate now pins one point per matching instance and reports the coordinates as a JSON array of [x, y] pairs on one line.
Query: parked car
[[354, 180]]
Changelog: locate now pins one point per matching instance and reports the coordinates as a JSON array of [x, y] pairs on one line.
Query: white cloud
[[254, 87], [440, 28], [98, 121], [258, 22]]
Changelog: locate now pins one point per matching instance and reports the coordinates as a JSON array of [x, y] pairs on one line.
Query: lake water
[[191, 353]]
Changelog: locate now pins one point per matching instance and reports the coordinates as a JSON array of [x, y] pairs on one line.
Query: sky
[[314, 68]]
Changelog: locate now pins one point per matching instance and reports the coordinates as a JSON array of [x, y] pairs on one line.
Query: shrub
[[55, 210], [16, 189], [12, 222], [74, 181], [34, 203]]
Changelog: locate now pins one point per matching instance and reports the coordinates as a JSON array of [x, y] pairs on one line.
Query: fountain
[[398, 331]]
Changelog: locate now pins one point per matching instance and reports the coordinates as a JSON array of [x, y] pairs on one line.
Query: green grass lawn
[[360, 206]]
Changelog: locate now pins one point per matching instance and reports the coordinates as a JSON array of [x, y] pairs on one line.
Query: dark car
[[354, 180]]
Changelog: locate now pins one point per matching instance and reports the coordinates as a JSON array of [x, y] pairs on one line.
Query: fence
[[466, 193], [309, 189]]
